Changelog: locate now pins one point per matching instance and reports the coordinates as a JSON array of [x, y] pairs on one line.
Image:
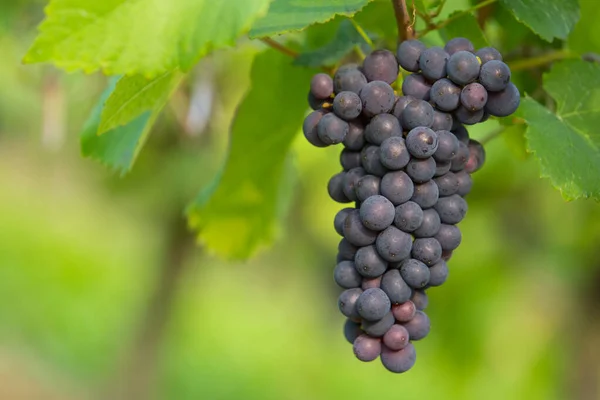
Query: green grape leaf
[[548, 19], [464, 26], [147, 37], [346, 38], [134, 95], [586, 35], [294, 15], [238, 212], [567, 144]]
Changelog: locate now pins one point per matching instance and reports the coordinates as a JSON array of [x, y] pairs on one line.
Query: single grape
[[399, 361], [416, 85], [346, 275], [447, 146], [348, 78], [488, 54], [352, 330], [459, 44], [462, 156], [367, 186], [335, 187], [503, 103], [473, 97], [426, 250], [464, 183], [418, 327], [409, 216], [408, 54], [355, 232], [447, 184], [447, 255], [380, 327], [369, 263], [441, 121], [404, 312], [463, 67], [415, 273], [452, 209], [346, 250], [314, 103], [382, 127], [397, 187], [371, 161], [381, 65], [394, 286], [347, 105], [421, 142], [476, 157], [347, 302], [433, 63], [438, 273], [349, 182], [401, 104], [420, 299], [442, 168], [331, 129], [393, 153], [396, 338], [445, 95], [309, 128], [321, 86], [461, 133], [418, 113], [430, 226], [421, 171], [449, 237], [373, 304], [468, 117], [355, 138], [425, 194], [377, 98], [494, 75], [369, 283], [350, 159], [377, 213], [393, 245], [366, 348], [339, 220]]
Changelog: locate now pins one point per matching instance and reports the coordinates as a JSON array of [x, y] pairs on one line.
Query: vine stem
[[454, 17], [279, 47], [405, 28], [528, 63]]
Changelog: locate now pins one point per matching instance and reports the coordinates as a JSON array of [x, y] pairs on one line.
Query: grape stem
[[444, 23], [279, 47], [362, 32], [405, 27], [534, 62]]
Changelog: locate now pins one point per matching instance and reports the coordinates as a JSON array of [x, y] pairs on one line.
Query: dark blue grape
[[396, 338], [355, 232], [415, 273], [449, 237], [373, 304], [369, 263], [441, 121], [488, 54], [408, 54], [438, 273], [380, 327], [452, 209], [393, 245], [463, 67], [321, 86], [394, 286], [369, 283], [409, 216], [346, 275], [418, 327], [347, 105], [367, 186], [393, 153], [426, 250], [335, 188], [339, 220], [425, 194], [314, 103], [447, 184], [401, 103], [397, 187], [377, 98], [445, 95], [461, 133], [430, 225], [346, 250], [468, 117], [399, 361], [420, 299], [494, 75], [309, 128], [355, 138], [381, 65], [348, 78], [503, 103], [433, 63], [404, 312], [421, 142], [418, 113], [371, 161], [476, 157], [350, 180], [459, 44], [442, 168], [377, 213], [415, 85], [473, 97], [382, 127], [350, 159], [462, 156], [464, 183], [352, 330], [347, 302], [331, 129], [421, 171], [366, 348], [447, 146]]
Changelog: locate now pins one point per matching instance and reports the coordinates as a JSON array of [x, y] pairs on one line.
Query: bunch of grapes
[[406, 162]]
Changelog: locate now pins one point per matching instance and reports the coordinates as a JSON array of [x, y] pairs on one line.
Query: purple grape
[[377, 98], [459, 44], [347, 105], [494, 75], [381, 65], [366, 348], [473, 97], [396, 338], [433, 63], [399, 361], [408, 54], [416, 85], [321, 86]]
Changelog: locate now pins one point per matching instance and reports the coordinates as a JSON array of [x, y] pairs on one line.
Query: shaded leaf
[[586, 35], [465, 26]]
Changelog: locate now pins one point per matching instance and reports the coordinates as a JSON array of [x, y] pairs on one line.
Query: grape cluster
[[407, 163]]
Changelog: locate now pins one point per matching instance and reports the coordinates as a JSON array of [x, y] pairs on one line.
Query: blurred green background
[[102, 289]]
